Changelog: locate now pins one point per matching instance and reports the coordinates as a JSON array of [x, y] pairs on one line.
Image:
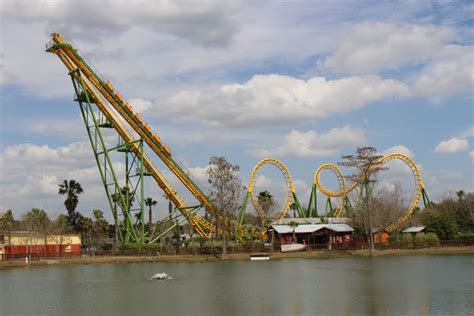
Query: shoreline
[[316, 254]]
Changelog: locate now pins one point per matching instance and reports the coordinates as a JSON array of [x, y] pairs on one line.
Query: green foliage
[[7, 222], [431, 239], [36, 220], [460, 208], [428, 239], [153, 246], [71, 189], [464, 236], [406, 239], [443, 225], [210, 244]]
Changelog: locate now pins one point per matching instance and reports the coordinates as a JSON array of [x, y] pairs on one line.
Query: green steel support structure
[[132, 190]]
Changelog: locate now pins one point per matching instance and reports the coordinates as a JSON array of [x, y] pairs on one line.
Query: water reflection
[[415, 285]]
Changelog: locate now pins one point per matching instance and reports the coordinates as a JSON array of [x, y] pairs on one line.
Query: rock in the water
[[161, 276]]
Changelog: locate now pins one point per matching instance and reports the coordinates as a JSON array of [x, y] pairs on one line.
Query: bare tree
[[368, 164], [225, 192]]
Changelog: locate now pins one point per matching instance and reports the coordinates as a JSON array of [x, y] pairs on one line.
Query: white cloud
[[62, 128], [447, 76], [371, 47], [452, 146], [30, 174], [139, 105], [441, 182], [206, 23], [399, 149], [199, 173], [471, 154], [271, 99], [312, 144], [467, 133]]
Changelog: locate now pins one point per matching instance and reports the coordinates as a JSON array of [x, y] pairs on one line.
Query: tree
[[59, 227], [225, 191], [266, 202], [115, 199], [7, 222], [100, 228], [71, 189], [150, 202], [170, 205], [293, 225], [87, 231], [368, 164], [442, 225], [37, 220]]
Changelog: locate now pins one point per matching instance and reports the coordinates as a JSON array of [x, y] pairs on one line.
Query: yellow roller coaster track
[[289, 187], [68, 55], [343, 191]]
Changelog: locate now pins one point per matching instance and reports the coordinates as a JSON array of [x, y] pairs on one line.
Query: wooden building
[[315, 235], [21, 244]]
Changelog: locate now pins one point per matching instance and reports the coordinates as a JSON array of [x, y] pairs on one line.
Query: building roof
[[312, 220], [414, 229], [311, 228]]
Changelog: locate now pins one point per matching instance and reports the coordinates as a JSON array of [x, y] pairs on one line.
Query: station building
[[317, 235], [21, 244]]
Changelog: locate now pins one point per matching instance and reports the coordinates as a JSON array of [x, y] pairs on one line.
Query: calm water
[[415, 285]]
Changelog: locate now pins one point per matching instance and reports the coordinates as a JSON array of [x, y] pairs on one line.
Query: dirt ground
[[319, 254]]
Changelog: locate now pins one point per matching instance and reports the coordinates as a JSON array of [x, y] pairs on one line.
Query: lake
[[406, 285]]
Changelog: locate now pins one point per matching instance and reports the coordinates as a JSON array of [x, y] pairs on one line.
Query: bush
[[419, 240], [426, 239], [210, 244], [464, 236], [431, 239], [443, 225], [154, 246], [393, 238], [406, 240]]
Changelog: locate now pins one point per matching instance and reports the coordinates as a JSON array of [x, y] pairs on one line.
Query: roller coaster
[[291, 201], [103, 108]]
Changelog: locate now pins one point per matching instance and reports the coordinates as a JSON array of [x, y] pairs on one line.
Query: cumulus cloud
[[206, 23], [312, 144], [139, 105], [30, 174], [447, 76], [467, 133], [277, 99], [451, 146], [399, 149], [371, 47]]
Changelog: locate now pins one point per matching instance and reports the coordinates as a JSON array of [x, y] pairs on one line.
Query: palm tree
[[293, 225], [150, 202], [266, 202], [71, 189], [38, 220], [116, 199], [170, 205]]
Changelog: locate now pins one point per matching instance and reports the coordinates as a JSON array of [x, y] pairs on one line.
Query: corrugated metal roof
[[310, 228], [312, 220], [414, 229]]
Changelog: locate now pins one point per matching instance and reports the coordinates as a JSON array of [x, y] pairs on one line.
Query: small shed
[[414, 230]]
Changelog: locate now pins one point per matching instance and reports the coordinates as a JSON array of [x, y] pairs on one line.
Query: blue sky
[[305, 82]]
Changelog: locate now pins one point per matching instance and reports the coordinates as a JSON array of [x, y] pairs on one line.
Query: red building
[[21, 244]]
